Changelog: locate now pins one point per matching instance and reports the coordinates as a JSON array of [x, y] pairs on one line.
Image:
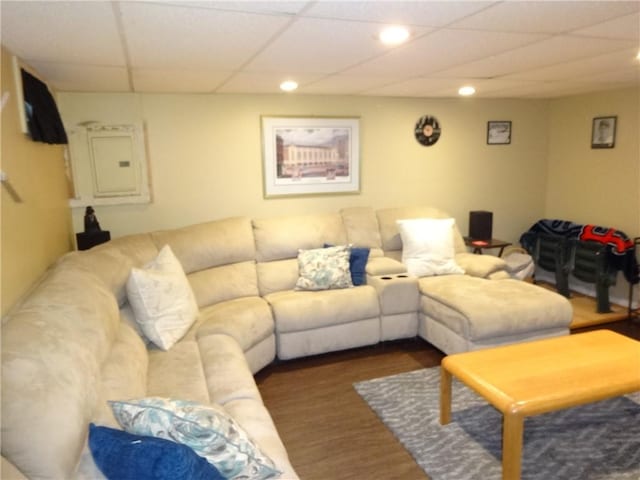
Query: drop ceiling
[[517, 49]]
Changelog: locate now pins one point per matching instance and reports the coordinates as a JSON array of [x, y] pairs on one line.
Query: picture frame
[[603, 132], [498, 132], [310, 155]]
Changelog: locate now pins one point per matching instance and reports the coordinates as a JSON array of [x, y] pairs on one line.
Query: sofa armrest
[[483, 266], [384, 266]]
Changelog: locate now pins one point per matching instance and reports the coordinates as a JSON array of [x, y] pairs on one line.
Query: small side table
[[479, 245], [87, 240]]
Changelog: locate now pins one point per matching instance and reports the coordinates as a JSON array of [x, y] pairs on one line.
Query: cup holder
[[387, 277]]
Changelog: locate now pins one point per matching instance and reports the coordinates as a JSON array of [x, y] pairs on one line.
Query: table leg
[[513, 426], [445, 396]]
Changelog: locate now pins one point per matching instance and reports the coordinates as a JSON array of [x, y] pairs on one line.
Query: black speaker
[[480, 225]]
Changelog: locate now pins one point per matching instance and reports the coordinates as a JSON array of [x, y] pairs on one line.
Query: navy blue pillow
[[121, 456], [357, 264]]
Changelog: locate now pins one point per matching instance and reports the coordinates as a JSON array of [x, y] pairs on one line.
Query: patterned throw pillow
[[324, 268], [207, 429]]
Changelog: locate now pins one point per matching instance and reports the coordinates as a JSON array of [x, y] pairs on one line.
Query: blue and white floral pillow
[[207, 429], [324, 268]]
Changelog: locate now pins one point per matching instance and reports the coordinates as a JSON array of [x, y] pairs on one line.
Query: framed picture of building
[[603, 132], [499, 132], [310, 155]]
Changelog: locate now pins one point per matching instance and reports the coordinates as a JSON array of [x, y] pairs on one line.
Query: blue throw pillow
[[121, 456], [357, 264]]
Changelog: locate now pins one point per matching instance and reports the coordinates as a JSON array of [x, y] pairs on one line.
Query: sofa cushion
[[162, 299], [295, 311], [210, 244], [177, 372], [479, 309], [277, 276], [324, 268], [121, 455], [208, 429], [281, 237], [226, 370], [361, 226], [123, 374], [427, 246], [223, 283], [247, 320]]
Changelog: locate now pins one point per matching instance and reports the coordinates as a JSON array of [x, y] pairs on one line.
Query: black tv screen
[[43, 119]]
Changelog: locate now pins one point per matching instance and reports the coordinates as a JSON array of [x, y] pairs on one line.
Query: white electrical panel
[[109, 165]]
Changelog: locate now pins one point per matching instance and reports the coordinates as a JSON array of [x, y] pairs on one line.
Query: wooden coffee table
[[536, 377]]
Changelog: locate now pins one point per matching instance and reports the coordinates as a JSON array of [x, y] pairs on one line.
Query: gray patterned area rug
[[591, 442]]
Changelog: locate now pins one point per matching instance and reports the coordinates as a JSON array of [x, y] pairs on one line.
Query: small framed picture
[[499, 132], [603, 132]]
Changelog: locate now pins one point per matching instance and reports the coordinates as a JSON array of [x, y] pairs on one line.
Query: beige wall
[[38, 230], [600, 186], [597, 186], [205, 155]]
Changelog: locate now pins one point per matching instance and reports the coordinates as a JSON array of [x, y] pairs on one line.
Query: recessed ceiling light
[[466, 91], [288, 86], [638, 56], [394, 35]]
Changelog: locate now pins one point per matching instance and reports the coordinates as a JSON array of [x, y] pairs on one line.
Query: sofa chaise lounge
[[74, 343]]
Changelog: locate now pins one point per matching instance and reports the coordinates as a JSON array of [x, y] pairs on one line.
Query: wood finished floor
[[330, 432]]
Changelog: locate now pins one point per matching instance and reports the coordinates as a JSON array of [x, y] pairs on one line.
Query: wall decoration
[[310, 156], [603, 132], [499, 132], [427, 130]]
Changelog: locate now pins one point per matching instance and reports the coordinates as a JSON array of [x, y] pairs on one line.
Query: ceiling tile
[[262, 82], [177, 80], [552, 90], [442, 49], [548, 52], [73, 32], [320, 46], [431, 13], [581, 69], [169, 36], [546, 16], [627, 27], [347, 84], [80, 78], [417, 87], [278, 7]]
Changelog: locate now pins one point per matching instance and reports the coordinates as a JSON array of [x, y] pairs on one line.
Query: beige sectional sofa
[[73, 343]]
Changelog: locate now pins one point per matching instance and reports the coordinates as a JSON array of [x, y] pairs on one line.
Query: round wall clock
[[427, 130]]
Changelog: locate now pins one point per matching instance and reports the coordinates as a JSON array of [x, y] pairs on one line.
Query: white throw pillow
[[162, 299], [427, 246]]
